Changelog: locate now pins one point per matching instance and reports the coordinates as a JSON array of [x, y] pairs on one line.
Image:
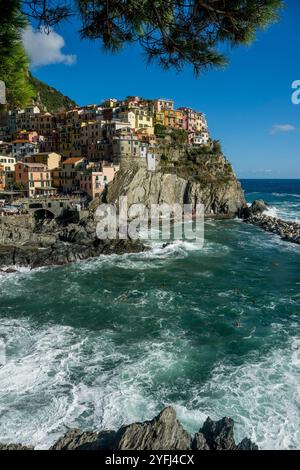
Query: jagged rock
[[162, 433], [219, 434], [15, 447], [199, 442], [258, 207], [246, 444], [75, 439]]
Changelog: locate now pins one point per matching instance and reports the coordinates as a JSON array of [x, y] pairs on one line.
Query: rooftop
[[71, 161]]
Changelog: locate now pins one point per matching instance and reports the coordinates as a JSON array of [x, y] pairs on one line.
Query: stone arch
[[42, 214]]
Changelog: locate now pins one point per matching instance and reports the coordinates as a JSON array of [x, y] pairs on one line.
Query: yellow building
[[159, 118], [51, 160], [7, 162], [201, 123], [143, 119]]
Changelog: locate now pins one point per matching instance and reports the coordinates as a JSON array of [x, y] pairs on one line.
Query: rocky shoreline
[[164, 432], [25, 244], [288, 231]]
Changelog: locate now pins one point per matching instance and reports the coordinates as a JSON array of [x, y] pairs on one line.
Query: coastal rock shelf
[[22, 243], [288, 231], [164, 432]]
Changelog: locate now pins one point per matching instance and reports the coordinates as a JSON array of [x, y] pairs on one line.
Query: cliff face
[[204, 179]]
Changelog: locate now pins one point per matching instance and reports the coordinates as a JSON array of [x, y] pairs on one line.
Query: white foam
[[58, 377], [271, 212], [262, 396]]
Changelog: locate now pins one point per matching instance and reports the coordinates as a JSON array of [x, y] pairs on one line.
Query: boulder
[[258, 207]]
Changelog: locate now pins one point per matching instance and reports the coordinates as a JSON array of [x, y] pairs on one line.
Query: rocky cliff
[[191, 178], [164, 432]]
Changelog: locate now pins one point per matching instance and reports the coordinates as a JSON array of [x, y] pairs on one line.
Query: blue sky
[[243, 103]]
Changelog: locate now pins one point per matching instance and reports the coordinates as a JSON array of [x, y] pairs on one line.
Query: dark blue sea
[[112, 340]]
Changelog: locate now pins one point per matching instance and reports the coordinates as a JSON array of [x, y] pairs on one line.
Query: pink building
[[189, 119], [93, 182], [35, 178]]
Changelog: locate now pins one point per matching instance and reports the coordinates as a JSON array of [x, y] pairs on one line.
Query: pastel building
[[189, 119], [7, 162], [93, 182], [163, 104], [199, 138], [35, 178], [69, 174], [173, 119], [51, 160]]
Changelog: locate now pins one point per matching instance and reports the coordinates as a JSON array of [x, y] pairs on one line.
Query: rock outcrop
[[23, 243], [210, 181], [15, 447], [288, 231], [164, 432]]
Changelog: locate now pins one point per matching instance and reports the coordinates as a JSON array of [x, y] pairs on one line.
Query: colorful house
[[50, 160], [93, 182], [35, 178], [69, 174]]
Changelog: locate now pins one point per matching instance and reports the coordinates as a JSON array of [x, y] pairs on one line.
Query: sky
[[248, 105]]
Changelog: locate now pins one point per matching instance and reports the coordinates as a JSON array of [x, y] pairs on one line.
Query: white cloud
[[45, 49], [281, 128]]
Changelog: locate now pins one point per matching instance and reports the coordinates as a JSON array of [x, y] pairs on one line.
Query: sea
[[110, 341]]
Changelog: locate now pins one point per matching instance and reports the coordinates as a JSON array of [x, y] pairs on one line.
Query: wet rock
[[246, 444], [53, 244], [258, 207], [75, 439], [162, 433], [219, 434], [288, 231], [15, 447], [199, 442]]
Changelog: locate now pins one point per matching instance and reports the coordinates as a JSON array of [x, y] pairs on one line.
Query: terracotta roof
[[72, 160]]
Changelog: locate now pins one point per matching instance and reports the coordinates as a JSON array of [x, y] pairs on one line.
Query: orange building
[[35, 178], [172, 118]]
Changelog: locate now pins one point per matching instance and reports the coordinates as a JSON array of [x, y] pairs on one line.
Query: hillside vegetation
[[48, 98]]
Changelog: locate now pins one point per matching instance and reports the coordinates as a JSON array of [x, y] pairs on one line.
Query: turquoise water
[[113, 340]]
